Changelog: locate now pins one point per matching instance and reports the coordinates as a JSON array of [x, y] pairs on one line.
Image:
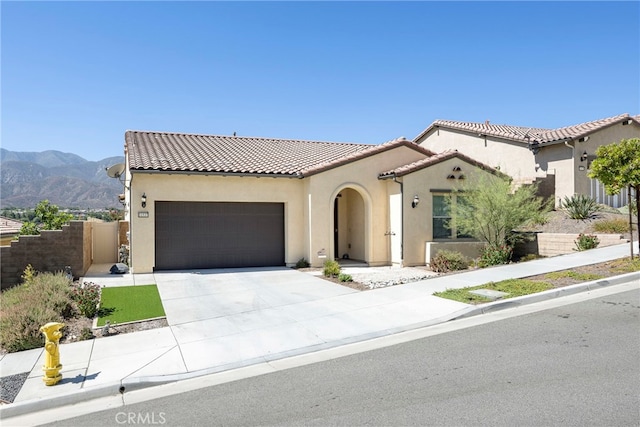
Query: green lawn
[[129, 303], [514, 287]]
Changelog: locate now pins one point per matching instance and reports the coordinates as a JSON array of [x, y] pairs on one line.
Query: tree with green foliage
[[491, 211], [617, 166], [47, 217]]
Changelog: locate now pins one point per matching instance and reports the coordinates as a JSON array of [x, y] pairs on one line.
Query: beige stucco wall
[[512, 158], [518, 162], [572, 173], [361, 176], [212, 188], [609, 135], [418, 224], [308, 203]]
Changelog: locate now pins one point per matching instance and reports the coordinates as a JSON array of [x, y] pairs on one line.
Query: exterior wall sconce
[[144, 200], [584, 156], [415, 201]]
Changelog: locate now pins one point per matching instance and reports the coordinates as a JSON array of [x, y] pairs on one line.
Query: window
[[441, 217], [443, 228]]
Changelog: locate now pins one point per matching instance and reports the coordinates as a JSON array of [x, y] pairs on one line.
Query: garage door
[[218, 235]]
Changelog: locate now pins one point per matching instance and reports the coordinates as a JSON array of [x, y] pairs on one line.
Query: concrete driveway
[[205, 295], [242, 299]]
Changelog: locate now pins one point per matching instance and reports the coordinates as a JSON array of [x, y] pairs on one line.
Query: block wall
[[51, 251]]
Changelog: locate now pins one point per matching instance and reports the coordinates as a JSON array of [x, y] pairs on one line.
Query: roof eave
[[216, 173], [363, 155]]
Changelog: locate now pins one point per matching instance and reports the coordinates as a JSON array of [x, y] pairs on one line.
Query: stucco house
[[557, 159], [211, 201]]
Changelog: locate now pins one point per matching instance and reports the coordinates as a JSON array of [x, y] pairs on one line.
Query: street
[[576, 364]]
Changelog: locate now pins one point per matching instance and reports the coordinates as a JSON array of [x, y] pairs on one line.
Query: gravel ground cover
[[10, 386]]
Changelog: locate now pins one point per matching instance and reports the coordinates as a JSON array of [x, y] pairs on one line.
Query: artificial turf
[[129, 304]]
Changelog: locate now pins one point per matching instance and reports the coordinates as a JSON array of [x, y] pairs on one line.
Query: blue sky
[[77, 75]]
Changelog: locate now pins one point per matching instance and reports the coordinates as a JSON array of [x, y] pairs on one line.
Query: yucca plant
[[580, 206]]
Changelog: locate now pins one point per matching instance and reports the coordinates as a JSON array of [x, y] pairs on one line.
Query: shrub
[[25, 308], [613, 226], [586, 242], [345, 277], [87, 298], [302, 263], [28, 274], [86, 334], [331, 268], [580, 206], [495, 255], [529, 257], [446, 261]]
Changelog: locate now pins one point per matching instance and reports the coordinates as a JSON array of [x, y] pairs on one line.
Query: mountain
[[65, 179]]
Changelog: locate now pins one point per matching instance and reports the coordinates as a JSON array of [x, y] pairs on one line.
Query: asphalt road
[[578, 364]]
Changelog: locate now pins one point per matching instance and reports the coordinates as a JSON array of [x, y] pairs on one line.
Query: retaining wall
[[51, 251], [552, 244]]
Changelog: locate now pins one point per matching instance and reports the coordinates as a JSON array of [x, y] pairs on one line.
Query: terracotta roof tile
[[369, 151], [526, 134], [435, 159], [162, 151]]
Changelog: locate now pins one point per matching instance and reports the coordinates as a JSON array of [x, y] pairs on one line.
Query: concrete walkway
[[225, 319]]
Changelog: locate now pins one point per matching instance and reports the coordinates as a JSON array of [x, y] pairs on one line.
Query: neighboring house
[[558, 159], [9, 229], [208, 201]]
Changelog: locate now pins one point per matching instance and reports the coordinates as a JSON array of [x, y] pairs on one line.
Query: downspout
[[395, 179], [573, 164]]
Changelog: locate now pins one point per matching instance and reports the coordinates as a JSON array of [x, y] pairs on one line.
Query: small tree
[[618, 166], [47, 217], [491, 211]]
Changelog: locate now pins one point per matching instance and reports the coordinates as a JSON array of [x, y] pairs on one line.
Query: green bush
[[446, 261], [586, 242], [613, 226], [302, 263], [495, 255], [345, 277], [580, 206], [25, 308], [331, 268], [86, 334], [28, 274], [529, 257], [87, 298]]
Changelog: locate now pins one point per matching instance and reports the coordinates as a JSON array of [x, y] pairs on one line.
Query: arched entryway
[[349, 225]]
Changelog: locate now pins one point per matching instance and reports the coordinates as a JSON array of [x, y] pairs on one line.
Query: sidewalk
[[314, 317]]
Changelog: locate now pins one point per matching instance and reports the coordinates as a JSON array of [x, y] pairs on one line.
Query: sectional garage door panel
[[218, 235]]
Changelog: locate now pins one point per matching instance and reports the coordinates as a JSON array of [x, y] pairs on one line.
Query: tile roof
[[526, 134], [162, 151], [370, 151], [177, 152], [9, 226], [435, 159]]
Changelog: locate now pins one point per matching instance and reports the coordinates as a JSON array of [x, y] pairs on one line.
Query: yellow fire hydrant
[[52, 364]]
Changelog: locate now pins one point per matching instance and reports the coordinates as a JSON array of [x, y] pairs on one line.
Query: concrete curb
[[21, 408], [550, 294], [130, 384]]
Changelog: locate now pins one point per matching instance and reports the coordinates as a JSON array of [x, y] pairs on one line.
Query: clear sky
[[77, 75]]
